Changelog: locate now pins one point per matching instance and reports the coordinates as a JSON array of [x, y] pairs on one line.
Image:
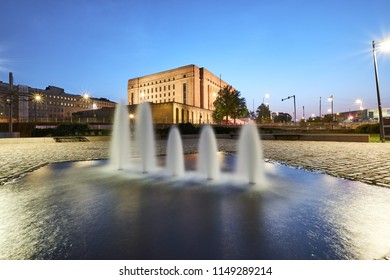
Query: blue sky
[[311, 49]]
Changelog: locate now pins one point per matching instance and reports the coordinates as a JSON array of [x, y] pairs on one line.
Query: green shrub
[[368, 128], [62, 130], [188, 128]]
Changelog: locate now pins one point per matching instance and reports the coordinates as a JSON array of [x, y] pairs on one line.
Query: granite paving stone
[[366, 162]]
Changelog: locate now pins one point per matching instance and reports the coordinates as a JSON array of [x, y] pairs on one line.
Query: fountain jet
[[208, 163], [175, 157], [145, 137], [119, 147], [250, 164]]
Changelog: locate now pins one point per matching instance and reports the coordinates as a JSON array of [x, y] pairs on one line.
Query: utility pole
[[303, 110], [11, 88]]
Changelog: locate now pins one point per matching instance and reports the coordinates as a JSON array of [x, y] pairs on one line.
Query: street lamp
[[385, 47], [94, 107], [295, 107], [330, 99], [359, 101], [266, 96], [131, 117], [37, 98]]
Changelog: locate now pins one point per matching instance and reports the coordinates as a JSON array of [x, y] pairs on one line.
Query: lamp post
[[94, 107], [37, 98], [359, 101], [385, 46], [330, 99], [265, 97], [131, 117], [295, 108]]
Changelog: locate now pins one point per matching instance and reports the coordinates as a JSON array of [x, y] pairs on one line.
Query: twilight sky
[[308, 48]]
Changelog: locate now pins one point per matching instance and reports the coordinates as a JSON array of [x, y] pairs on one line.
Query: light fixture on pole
[[382, 46], [295, 107], [359, 101], [37, 99], [330, 99], [266, 96]]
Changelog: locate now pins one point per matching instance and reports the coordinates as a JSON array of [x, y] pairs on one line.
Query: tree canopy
[[229, 103], [263, 114]]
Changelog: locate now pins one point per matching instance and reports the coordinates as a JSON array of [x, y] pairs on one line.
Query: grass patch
[[375, 138]]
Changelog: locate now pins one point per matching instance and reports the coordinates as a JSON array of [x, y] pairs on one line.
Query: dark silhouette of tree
[[281, 117], [263, 114]]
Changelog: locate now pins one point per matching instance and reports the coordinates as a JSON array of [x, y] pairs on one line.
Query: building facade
[[180, 95], [51, 104]]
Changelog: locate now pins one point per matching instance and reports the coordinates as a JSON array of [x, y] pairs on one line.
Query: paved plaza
[[365, 162]]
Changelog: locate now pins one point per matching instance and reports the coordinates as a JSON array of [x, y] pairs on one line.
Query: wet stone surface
[[365, 162]]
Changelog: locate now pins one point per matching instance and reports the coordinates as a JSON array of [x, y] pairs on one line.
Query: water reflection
[[81, 211]]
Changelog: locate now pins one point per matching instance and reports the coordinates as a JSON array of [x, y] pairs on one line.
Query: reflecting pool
[[81, 210]]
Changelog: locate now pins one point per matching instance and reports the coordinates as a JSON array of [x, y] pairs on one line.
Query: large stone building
[[51, 104], [180, 95]]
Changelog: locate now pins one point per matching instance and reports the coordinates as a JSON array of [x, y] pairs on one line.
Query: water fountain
[[134, 208], [175, 158], [145, 138], [249, 168], [208, 163], [250, 162], [119, 148]]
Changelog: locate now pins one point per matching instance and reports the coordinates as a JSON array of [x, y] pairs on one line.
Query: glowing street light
[[265, 99], [359, 101], [131, 117], [330, 99], [94, 107], [37, 98], [383, 46]]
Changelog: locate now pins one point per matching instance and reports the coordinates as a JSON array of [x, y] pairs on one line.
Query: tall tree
[[229, 103], [263, 113], [240, 110]]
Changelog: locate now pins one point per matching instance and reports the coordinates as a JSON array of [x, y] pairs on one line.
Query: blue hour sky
[[308, 48]]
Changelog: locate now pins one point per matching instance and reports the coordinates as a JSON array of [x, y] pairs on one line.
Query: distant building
[[362, 115], [180, 95], [52, 105]]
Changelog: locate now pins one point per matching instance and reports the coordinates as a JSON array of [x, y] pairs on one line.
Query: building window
[[173, 86], [184, 93], [169, 87]]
